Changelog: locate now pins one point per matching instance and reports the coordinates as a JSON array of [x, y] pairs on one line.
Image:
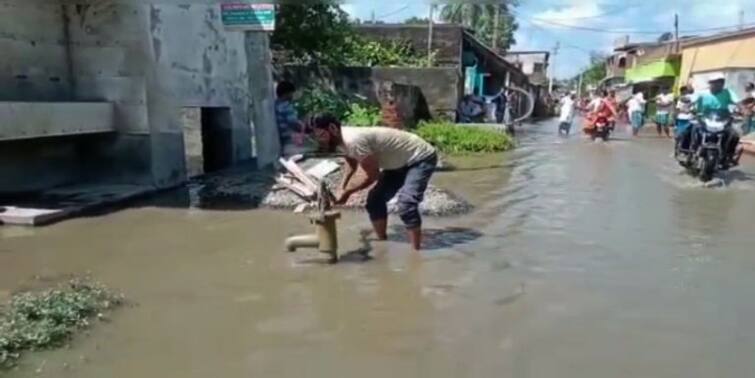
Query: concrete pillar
[[262, 97]]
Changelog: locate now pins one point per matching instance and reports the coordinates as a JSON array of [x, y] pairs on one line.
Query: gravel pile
[[254, 188], [438, 202]]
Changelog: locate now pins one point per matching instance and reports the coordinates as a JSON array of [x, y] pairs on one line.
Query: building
[[731, 54], [534, 64], [625, 57], [463, 65], [651, 66], [644, 67], [126, 93]]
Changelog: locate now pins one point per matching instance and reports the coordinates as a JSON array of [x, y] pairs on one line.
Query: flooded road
[[582, 260]]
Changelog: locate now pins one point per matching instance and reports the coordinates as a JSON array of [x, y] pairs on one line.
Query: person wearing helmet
[[718, 99]]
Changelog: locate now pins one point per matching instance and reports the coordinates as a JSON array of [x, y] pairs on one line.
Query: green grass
[[48, 319], [454, 139]]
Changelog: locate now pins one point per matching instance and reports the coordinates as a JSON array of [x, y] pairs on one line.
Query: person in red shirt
[[605, 108]]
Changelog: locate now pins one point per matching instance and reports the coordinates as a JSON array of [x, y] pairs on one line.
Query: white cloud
[[350, 9], [571, 15]]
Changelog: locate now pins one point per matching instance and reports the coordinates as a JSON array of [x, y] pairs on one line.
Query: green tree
[[416, 20], [482, 19], [320, 32], [315, 30], [594, 73]]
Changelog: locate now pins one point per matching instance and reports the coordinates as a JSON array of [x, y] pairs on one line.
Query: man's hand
[[343, 197]]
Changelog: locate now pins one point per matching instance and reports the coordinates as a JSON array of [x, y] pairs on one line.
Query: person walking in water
[[396, 162], [566, 116], [664, 104], [636, 110]]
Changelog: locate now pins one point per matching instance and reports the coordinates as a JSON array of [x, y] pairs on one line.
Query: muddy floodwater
[[580, 260]]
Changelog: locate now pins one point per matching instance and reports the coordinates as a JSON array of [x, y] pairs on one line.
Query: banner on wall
[[248, 17]]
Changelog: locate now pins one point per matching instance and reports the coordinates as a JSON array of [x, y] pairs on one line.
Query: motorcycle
[[601, 128], [705, 155]]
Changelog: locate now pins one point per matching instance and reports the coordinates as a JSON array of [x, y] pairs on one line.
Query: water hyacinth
[[47, 319]]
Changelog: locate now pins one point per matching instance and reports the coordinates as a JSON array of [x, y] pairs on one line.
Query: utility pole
[[676, 33], [430, 34], [553, 66], [741, 19], [496, 22], [373, 17], [579, 86]]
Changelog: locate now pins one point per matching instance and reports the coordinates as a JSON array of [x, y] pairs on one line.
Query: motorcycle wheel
[[708, 167]]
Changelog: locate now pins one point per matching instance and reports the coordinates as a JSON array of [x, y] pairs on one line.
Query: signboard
[[248, 17]]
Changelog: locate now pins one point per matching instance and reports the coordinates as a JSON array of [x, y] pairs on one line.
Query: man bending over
[[400, 162]]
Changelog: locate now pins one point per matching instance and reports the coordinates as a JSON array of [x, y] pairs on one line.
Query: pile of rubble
[[438, 202]]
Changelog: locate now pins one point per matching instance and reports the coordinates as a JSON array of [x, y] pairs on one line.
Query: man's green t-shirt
[[716, 103]]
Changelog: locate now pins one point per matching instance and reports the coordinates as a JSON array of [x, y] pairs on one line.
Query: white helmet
[[716, 77]]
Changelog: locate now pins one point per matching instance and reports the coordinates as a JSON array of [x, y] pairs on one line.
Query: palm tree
[[465, 14], [482, 19]]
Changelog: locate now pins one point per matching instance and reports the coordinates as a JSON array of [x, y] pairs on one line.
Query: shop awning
[[652, 71]]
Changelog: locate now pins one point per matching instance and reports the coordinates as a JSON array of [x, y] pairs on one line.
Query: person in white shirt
[[636, 110], [684, 115], [664, 104], [566, 114], [594, 102], [397, 162], [748, 108]]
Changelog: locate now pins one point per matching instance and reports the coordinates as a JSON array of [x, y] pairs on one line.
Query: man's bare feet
[[415, 238], [381, 229]]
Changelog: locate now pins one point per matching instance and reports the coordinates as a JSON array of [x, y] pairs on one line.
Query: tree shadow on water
[[438, 238]]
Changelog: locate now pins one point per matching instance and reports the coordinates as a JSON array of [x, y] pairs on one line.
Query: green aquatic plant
[[47, 319]]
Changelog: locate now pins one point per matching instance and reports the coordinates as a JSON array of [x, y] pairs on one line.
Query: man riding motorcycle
[[721, 102], [603, 112]]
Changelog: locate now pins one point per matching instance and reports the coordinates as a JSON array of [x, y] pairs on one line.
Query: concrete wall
[[441, 87], [724, 55], [447, 39], [111, 57], [736, 79], [34, 66], [261, 86], [150, 61], [27, 120], [33, 52]]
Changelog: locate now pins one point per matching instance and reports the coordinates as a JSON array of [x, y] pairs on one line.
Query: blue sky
[[544, 22]]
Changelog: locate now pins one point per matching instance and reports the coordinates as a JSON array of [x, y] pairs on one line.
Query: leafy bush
[[317, 100], [364, 52], [364, 115], [351, 110], [320, 32], [40, 320], [451, 138]]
